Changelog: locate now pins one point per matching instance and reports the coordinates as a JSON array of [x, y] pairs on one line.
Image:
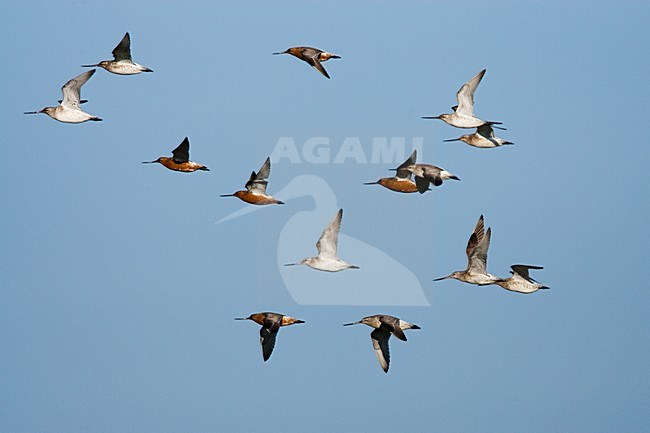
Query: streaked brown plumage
[[476, 251]]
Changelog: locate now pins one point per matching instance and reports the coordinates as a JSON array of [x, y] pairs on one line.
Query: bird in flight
[[271, 323], [69, 111], [313, 56], [180, 161], [122, 64], [384, 325]]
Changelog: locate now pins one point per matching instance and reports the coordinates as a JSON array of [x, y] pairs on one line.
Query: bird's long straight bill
[[227, 195], [451, 139], [431, 117], [89, 66], [441, 278], [290, 264], [31, 112], [353, 323], [370, 183]]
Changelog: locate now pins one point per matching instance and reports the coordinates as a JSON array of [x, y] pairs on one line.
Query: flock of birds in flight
[[69, 111]]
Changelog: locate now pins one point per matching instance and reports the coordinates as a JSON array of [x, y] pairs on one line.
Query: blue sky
[[119, 287]]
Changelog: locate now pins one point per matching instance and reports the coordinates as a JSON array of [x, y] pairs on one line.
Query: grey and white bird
[[327, 258], [69, 111], [520, 281], [483, 138], [384, 325], [122, 64], [313, 56], [477, 249], [271, 323], [463, 115], [427, 173]]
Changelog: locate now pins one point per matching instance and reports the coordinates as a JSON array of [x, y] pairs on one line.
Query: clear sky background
[[118, 290]]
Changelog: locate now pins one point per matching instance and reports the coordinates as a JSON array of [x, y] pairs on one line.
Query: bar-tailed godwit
[[463, 115], [327, 259], [69, 110], [121, 63], [483, 138], [256, 187], [477, 249], [313, 56], [384, 325], [520, 281], [402, 181], [271, 323], [180, 161]]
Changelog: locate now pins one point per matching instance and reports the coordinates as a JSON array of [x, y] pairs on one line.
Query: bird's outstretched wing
[[317, 65], [328, 241], [182, 153], [402, 172], [258, 181], [380, 344], [268, 333], [123, 50], [465, 95], [72, 90], [477, 248]]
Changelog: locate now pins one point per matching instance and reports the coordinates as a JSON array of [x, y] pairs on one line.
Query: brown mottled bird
[[255, 192], [180, 161], [271, 323], [384, 325], [477, 252], [313, 56]]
